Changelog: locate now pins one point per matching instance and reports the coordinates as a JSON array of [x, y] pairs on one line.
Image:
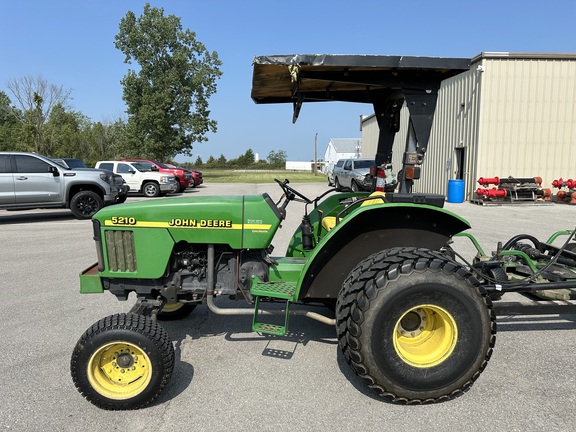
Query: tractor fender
[[368, 230]]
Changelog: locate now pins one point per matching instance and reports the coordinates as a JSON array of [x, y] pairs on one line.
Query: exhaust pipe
[[246, 311]]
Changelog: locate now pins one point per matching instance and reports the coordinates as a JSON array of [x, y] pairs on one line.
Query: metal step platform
[[270, 291]]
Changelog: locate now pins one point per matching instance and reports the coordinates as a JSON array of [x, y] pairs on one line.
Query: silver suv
[[30, 180]]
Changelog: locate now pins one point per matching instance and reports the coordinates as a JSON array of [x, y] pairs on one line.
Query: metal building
[[511, 114]]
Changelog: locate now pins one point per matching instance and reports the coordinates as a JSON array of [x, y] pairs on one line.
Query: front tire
[[337, 185], [151, 189], [122, 362], [415, 325], [175, 311], [355, 187], [86, 204]]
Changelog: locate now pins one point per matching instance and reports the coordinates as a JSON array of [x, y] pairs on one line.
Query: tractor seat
[[329, 222]]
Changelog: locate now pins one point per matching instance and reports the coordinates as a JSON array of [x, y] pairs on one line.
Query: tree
[[35, 99], [221, 162], [167, 99], [198, 161], [10, 128], [211, 162], [62, 137], [277, 159], [246, 159]]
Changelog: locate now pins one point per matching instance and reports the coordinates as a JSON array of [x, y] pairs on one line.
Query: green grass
[[259, 176]]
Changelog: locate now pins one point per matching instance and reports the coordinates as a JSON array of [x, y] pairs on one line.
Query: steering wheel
[[291, 193]]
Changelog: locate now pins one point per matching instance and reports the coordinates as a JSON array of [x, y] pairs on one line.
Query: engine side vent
[[120, 249]]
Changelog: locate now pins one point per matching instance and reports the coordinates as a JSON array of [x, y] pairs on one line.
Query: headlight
[[106, 178], [366, 180]]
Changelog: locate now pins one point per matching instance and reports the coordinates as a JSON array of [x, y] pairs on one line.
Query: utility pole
[[315, 170]]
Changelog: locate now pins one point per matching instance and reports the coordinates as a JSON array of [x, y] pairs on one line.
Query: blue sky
[[71, 43]]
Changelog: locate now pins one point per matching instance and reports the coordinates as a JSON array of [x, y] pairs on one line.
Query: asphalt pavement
[[227, 378]]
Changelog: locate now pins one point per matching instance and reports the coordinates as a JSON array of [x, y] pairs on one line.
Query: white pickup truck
[[140, 178]]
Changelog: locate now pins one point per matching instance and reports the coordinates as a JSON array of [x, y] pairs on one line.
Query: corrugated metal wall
[[452, 151], [511, 114], [454, 127], [528, 119]]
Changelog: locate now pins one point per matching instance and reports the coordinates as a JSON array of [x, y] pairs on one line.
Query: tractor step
[[279, 290]]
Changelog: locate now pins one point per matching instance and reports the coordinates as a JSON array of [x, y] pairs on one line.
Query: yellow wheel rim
[[119, 370], [425, 336], [172, 307]]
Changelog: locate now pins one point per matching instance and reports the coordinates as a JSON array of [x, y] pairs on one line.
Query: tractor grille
[[120, 248]]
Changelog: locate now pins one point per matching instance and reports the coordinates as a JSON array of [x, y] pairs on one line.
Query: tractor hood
[[243, 222]]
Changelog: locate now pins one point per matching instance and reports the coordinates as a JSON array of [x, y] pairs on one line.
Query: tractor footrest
[[276, 290], [271, 329], [272, 290]]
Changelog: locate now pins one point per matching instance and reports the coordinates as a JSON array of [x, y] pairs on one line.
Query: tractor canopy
[[386, 82]]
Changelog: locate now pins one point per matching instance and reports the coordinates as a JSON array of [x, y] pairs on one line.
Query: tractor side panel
[[145, 232], [136, 253], [368, 231]]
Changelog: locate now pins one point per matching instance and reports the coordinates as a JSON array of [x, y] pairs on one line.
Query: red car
[[183, 176], [196, 175]]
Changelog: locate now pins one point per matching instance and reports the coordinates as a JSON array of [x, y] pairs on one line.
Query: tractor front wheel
[[415, 325], [122, 362], [176, 311]]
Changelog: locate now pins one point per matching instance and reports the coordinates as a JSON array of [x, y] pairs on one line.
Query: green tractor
[[414, 323]]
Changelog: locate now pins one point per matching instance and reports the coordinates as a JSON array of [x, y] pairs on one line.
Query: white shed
[[342, 148]]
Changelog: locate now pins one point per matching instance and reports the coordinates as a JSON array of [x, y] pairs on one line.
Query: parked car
[[119, 181], [196, 175], [183, 176], [353, 174], [30, 180], [330, 171], [141, 179]]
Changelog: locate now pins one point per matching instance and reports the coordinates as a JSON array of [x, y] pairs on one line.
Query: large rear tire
[[415, 325], [122, 362]]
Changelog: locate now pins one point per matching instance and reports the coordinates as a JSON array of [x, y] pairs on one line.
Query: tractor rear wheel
[[415, 325], [122, 362]]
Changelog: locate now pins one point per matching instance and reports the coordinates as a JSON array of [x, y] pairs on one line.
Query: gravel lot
[[224, 378]]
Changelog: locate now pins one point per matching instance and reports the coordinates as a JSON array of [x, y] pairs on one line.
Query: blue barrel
[[455, 191]]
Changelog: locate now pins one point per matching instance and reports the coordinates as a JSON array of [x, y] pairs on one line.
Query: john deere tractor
[[414, 322]]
